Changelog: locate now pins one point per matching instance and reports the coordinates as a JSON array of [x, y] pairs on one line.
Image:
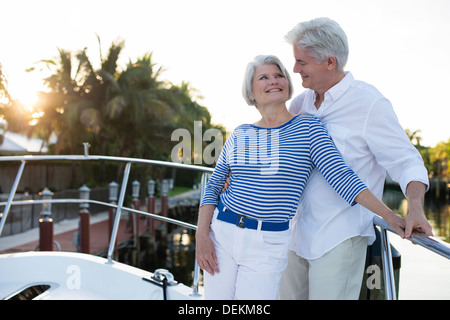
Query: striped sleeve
[[330, 163], [221, 171]]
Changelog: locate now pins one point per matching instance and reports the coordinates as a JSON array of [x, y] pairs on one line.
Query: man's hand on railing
[[417, 223], [416, 220]]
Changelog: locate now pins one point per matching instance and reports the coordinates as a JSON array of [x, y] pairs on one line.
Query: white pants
[[250, 262], [337, 275]]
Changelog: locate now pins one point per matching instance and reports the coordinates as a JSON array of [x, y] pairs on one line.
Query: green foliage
[[436, 159], [120, 111], [4, 95]]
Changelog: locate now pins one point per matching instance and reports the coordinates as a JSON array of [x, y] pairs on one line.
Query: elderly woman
[[243, 234]]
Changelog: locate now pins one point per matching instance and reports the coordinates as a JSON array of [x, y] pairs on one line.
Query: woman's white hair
[[322, 38], [250, 73]]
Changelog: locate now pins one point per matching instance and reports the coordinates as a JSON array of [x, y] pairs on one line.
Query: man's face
[[314, 75]]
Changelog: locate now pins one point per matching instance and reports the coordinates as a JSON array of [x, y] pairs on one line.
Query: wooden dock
[[65, 231]]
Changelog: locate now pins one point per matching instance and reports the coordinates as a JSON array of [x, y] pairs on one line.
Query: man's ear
[[331, 63]]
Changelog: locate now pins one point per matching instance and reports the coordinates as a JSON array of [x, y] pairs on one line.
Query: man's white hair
[[322, 38]]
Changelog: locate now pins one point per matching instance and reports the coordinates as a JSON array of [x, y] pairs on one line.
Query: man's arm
[[394, 152], [416, 220]]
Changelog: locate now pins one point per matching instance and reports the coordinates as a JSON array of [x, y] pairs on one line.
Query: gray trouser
[[337, 275]]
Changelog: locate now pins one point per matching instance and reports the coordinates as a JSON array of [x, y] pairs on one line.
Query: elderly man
[[330, 239]]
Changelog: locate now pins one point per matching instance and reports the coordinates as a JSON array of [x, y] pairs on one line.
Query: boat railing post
[[151, 207], [165, 199], [195, 292], [388, 269], [11, 196], [135, 204], [86, 146], [118, 212], [113, 188]]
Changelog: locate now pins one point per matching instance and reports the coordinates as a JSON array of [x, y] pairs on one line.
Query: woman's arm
[[367, 199], [205, 252], [218, 178], [327, 158], [204, 248]]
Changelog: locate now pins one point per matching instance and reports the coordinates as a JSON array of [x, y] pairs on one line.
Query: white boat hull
[[71, 276]]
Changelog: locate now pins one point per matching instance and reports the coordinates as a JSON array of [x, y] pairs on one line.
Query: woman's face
[[269, 85]]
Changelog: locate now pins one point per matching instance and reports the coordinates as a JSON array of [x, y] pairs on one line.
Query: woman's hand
[[204, 247], [368, 200], [205, 253], [397, 223]]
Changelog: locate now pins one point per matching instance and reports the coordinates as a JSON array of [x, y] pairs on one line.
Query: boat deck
[[416, 280]]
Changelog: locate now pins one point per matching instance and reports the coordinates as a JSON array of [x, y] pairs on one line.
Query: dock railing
[[440, 247]]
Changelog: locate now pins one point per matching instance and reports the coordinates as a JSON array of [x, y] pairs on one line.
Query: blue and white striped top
[[270, 168]]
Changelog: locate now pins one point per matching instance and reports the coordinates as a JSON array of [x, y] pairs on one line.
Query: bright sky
[[400, 46]]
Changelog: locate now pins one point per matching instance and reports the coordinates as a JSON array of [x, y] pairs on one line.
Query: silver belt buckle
[[240, 221]]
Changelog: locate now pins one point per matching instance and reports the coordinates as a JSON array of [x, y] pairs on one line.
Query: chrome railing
[[440, 247], [119, 207], [431, 243]]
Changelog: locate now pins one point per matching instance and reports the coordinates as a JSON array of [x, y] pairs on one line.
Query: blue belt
[[245, 222]]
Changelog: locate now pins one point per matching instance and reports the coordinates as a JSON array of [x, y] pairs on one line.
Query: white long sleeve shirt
[[365, 129]]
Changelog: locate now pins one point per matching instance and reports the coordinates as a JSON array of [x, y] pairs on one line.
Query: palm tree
[[135, 114], [4, 95], [67, 106], [104, 93], [414, 136], [127, 112], [74, 106]]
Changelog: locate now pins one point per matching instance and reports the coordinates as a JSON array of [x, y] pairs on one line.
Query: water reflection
[[437, 210], [169, 246]]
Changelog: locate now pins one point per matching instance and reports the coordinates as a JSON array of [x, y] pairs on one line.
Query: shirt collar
[[332, 94], [341, 87]]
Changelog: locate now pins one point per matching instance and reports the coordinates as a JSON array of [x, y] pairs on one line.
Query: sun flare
[[26, 91]]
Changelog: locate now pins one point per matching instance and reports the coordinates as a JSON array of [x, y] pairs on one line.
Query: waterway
[[437, 210], [423, 275], [168, 246]]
